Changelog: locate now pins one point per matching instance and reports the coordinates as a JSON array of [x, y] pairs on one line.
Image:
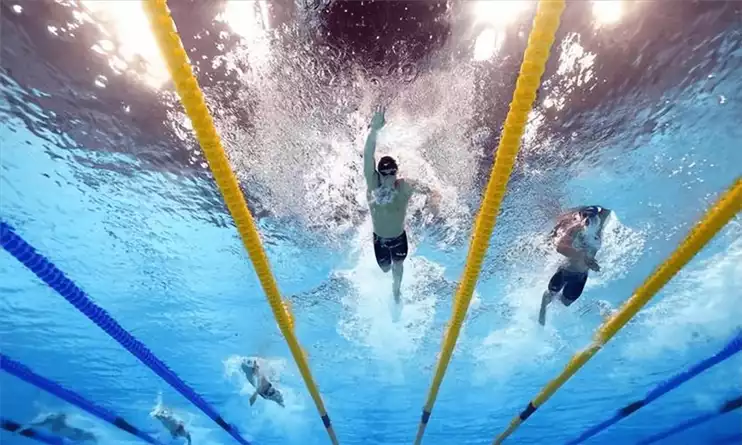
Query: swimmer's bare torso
[[388, 207]]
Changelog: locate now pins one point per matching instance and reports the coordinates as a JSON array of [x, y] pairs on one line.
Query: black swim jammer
[[390, 249], [572, 282]]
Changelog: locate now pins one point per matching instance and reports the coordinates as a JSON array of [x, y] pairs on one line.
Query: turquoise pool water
[[154, 247]]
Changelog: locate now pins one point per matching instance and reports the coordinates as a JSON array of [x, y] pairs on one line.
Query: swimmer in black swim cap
[[388, 196], [578, 236]]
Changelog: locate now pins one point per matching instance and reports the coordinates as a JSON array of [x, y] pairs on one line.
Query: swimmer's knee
[[385, 267]]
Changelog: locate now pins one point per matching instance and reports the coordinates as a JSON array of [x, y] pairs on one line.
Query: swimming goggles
[[590, 211]]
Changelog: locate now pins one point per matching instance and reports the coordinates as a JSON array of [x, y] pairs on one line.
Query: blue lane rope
[[56, 279], [733, 347], [31, 433], [24, 373], [733, 439], [728, 406]]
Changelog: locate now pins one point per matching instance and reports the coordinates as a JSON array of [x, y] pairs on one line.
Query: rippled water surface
[[639, 111]]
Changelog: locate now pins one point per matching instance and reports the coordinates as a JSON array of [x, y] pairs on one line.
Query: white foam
[[373, 320], [622, 248], [267, 415], [702, 302]]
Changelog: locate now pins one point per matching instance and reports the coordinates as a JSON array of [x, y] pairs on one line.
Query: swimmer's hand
[[592, 264], [378, 121]]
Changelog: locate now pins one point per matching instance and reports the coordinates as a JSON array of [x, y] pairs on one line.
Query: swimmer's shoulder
[[404, 186]]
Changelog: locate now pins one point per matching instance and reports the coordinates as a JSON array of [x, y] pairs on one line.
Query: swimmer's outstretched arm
[[369, 158], [369, 150]]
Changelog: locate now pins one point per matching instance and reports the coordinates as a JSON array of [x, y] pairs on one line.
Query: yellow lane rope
[[545, 25], [717, 217], [192, 98]]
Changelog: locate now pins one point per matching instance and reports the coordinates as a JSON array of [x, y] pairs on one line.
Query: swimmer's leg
[[545, 300], [555, 285], [397, 272], [383, 255], [399, 253], [573, 287]]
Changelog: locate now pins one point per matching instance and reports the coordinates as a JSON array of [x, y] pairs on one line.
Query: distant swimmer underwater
[[256, 375], [175, 426], [578, 236], [57, 424], [388, 197]]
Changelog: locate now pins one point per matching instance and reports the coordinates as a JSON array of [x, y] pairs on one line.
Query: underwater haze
[[639, 111]]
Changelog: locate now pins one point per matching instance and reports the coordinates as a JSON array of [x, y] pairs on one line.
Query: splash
[[695, 307], [272, 368], [521, 342], [383, 195], [373, 320], [268, 417]]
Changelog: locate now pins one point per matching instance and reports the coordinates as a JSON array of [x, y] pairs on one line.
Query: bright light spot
[[117, 64], [499, 12], [137, 46], [576, 69], [607, 11], [100, 81], [107, 45], [80, 17], [264, 11], [488, 42], [17, 9], [244, 19], [52, 29], [574, 59]]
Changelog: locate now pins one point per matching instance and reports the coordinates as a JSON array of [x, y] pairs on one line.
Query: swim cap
[[590, 211], [387, 165]]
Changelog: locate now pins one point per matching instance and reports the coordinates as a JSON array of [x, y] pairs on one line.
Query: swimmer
[[175, 426], [579, 236], [57, 424], [258, 380], [388, 197]]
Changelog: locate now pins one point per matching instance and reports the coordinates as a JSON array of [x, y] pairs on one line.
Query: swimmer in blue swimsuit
[[578, 236], [388, 197]]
